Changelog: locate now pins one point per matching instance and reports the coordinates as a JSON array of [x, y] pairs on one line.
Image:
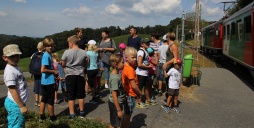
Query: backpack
[[144, 58], [35, 63]]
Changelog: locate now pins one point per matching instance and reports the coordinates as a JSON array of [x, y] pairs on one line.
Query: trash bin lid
[[188, 56]]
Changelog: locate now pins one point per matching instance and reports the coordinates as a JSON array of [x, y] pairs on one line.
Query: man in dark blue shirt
[[134, 40]]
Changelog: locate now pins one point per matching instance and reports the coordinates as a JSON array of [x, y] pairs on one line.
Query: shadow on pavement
[[138, 121]]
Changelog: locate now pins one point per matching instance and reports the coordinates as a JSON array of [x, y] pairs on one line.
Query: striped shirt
[[155, 46]]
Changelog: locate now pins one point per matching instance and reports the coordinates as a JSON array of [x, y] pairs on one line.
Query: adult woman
[[106, 47]]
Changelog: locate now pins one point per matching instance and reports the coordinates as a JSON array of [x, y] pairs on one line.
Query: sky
[[38, 18]]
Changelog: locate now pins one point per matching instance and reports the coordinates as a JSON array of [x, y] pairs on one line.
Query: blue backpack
[[35, 63]]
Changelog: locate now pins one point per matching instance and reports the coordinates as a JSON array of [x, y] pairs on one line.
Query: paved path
[[222, 100]]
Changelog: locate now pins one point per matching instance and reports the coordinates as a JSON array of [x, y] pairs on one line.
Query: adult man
[[134, 40]]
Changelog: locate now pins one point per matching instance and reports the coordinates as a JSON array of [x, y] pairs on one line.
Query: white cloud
[[77, 11], [20, 1], [156, 6], [209, 12], [48, 19], [3, 14], [113, 9]]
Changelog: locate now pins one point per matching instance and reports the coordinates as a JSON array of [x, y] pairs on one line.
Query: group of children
[[132, 71]]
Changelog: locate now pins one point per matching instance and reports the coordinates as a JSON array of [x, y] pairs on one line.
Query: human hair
[[155, 35], [130, 51], [92, 47], [105, 31], [115, 58], [48, 42], [55, 56], [135, 29], [78, 30], [40, 46], [73, 39], [171, 36]]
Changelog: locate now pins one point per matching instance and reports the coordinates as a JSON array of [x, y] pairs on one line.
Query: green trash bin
[[188, 59]]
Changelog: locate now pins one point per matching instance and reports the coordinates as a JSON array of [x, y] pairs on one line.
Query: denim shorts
[[160, 72], [106, 70], [15, 118], [129, 105]]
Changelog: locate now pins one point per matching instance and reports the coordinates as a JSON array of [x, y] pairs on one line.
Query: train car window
[[224, 32], [233, 31], [247, 27], [239, 29], [228, 32]]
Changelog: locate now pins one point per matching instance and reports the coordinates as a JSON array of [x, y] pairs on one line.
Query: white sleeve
[[9, 79]]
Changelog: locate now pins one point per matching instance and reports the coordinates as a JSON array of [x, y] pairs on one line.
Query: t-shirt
[[106, 54], [75, 61], [155, 46], [14, 76], [141, 71], [92, 64], [116, 84], [47, 78], [162, 52], [134, 42], [129, 74], [174, 78]]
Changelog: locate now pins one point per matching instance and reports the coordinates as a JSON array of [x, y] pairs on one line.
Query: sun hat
[[177, 61], [122, 46], [150, 50], [91, 42], [11, 49]]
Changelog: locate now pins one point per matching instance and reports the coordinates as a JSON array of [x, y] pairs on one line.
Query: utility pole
[[196, 38], [176, 33], [182, 40]]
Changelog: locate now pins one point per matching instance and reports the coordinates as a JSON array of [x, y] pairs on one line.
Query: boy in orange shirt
[[130, 84]]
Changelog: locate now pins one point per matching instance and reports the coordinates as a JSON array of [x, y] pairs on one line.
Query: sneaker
[[82, 115], [39, 104], [53, 119], [71, 116], [42, 118], [98, 96], [36, 103], [152, 102], [141, 105], [106, 85], [57, 102], [159, 93], [93, 101], [166, 108], [176, 109]]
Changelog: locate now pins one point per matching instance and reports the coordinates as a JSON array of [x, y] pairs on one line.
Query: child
[[117, 95], [17, 87], [173, 85], [60, 81], [98, 78], [74, 59], [48, 82], [153, 60], [142, 72], [130, 84]]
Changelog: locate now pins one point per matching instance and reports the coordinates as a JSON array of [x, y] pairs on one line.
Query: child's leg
[[169, 101], [51, 110], [175, 101]]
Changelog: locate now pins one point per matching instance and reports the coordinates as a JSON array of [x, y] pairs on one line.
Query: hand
[[100, 49], [55, 73], [149, 66], [165, 66], [23, 110], [119, 113]]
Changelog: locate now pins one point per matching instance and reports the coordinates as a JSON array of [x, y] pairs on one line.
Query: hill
[[5, 38]]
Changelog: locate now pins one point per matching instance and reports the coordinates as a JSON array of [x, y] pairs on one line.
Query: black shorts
[[37, 84], [173, 92], [143, 81], [114, 120], [48, 94], [91, 75], [75, 87]]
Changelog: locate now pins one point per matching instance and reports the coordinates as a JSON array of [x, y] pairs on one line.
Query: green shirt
[[115, 83]]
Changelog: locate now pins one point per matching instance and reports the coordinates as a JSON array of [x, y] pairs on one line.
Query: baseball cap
[[150, 50], [122, 46], [11, 49], [91, 42], [164, 37], [177, 61]]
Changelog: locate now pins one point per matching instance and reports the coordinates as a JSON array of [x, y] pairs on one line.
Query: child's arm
[[141, 65], [116, 102], [155, 60], [135, 87], [165, 74], [17, 99]]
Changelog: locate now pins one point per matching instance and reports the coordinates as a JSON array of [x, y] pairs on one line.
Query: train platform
[[221, 101]]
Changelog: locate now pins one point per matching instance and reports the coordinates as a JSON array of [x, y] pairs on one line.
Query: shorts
[[152, 80], [160, 72], [48, 94], [91, 74], [75, 86], [129, 105], [114, 119], [173, 92], [37, 84], [142, 81], [15, 118]]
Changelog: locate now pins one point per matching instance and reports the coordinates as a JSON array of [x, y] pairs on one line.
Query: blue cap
[[150, 50]]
